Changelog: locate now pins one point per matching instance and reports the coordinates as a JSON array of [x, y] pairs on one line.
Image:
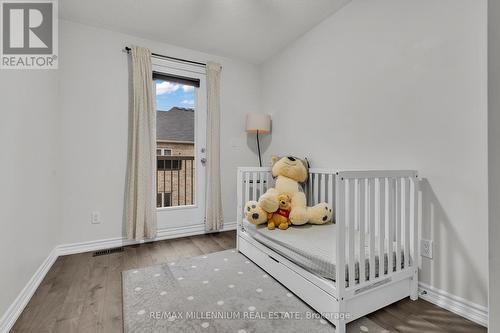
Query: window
[[163, 152], [175, 126], [163, 199]]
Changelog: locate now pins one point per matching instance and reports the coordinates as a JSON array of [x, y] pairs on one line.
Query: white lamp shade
[[258, 122]]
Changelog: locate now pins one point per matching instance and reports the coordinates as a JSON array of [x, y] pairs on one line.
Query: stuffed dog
[[289, 172]]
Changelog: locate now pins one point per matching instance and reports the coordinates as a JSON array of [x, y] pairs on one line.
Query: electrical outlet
[[95, 218], [426, 248]]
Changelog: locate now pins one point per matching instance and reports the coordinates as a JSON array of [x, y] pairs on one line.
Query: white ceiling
[[252, 30]]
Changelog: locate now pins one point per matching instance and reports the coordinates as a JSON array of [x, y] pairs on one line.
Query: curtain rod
[[128, 49]]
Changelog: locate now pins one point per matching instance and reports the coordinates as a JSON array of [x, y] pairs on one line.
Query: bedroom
[[349, 85]]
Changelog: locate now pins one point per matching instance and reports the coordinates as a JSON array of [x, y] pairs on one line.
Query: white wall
[[399, 85], [494, 161], [93, 80], [28, 181]]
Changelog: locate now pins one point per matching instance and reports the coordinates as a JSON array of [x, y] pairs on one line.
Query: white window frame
[[163, 150], [177, 216]]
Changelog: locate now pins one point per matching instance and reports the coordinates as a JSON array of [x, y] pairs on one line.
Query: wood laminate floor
[[82, 293]]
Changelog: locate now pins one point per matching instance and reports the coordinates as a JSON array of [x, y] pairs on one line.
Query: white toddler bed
[[311, 247], [376, 213]]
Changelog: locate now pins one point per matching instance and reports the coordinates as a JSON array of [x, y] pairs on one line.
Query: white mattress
[[312, 247]]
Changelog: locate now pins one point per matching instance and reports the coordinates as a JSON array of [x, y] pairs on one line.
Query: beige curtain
[[214, 214], [141, 203]]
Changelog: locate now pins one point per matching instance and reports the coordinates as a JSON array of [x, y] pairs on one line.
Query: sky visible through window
[[170, 94]]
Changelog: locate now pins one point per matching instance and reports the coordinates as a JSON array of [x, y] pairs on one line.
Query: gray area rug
[[220, 292]]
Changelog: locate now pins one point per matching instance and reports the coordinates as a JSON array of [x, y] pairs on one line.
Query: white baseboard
[[16, 308], [190, 231], [462, 307], [166, 233]]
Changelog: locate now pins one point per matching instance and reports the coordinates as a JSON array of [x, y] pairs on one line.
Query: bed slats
[[407, 230], [391, 214], [361, 208], [330, 192], [340, 194], [351, 228], [371, 229], [381, 225], [384, 222], [322, 190], [398, 225], [254, 183]]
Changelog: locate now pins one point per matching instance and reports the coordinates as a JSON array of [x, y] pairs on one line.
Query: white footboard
[[377, 235], [381, 207]]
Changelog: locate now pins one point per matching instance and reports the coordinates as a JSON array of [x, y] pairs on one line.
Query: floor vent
[[108, 251]]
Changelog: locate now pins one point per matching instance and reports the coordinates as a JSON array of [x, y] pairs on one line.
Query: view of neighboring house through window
[[175, 116], [164, 152]]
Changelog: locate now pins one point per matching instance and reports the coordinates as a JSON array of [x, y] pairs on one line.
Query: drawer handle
[[273, 259]]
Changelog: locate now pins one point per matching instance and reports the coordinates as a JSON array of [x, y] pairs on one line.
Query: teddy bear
[[289, 173], [280, 217]]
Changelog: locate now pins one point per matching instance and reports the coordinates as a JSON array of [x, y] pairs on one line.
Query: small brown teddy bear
[[280, 218]]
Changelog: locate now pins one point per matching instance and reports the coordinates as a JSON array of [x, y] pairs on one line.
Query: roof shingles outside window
[[177, 124]]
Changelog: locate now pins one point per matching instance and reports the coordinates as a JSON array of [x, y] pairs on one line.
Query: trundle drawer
[[300, 286]]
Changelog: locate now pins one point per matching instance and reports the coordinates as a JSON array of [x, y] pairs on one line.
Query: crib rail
[[380, 208], [375, 213]]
